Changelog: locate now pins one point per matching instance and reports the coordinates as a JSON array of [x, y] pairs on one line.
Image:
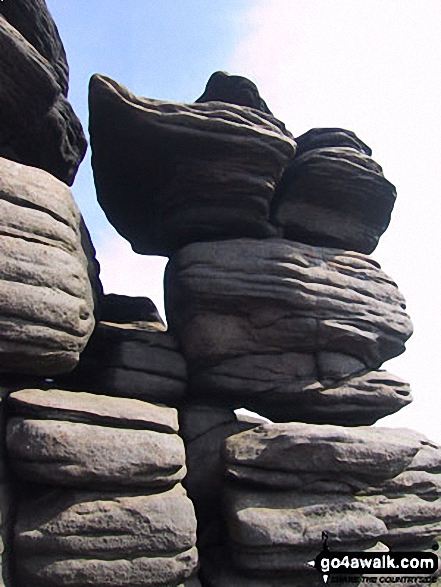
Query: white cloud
[[125, 272], [372, 67]]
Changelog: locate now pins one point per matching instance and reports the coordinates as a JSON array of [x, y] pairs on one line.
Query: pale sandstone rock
[[82, 455], [47, 300], [88, 408], [75, 539], [318, 458]]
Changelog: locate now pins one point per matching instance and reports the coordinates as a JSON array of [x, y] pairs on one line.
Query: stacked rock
[[91, 488], [116, 512], [290, 482], [131, 354], [278, 309]]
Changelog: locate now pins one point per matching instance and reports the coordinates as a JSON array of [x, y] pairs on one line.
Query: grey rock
[[286, 323], [38, 125], [168, 174], [47, 302], [233, 89], [318, 458], [88, 408], [83, 455], [411, 521], [317, 138], [136, 360], [33, 20], [82, 538], [204, 429], [217, 570], [334, 197], [125, 309], [282, 531], [421, 477]]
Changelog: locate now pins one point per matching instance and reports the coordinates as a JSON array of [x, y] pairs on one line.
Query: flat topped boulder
[[317, 458], [168, 174], [83, 440], [88, 408]]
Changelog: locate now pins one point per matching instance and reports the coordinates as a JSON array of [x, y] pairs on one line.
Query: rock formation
[[39, 127], [48, 273], [291, 331], [122, 461]]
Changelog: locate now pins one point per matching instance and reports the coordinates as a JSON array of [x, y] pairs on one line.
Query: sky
[[373, 67]]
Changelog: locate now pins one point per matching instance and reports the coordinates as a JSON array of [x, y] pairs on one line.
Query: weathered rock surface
[[233, 89], [333, 194], [82, 538], [47, 302], [38, 125], [88, 408], [296, 479], [410, 502], [168, 174], [84, 440], [317, 138], [204, 430], [33, 20], [283, 530], [282, 329], [318, 458], [136, 360], [83, 455]]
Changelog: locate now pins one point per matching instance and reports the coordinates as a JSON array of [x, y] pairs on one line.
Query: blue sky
[[373, 67]]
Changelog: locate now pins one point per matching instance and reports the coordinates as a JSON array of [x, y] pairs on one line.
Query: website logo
[[334, 563]]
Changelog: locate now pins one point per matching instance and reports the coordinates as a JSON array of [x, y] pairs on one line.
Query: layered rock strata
[[168, 174], [334, 194], [131, 354], [39, 127], [290, 482], [290, 331], [46, 267], [104, 504]]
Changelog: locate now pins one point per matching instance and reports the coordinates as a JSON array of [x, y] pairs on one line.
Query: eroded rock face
[[74, 538], [289, 481], [233, 89], [278, 327], [93, 452], [33, 20], [281, 531], [318, 458], [136, 360], [168, 174], [46, 312], [333, 195], [38, 125]]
